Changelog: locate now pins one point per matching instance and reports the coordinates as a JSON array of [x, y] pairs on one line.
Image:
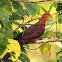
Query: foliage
[[13, 48], [58, 8], [5, 30], [60, 59], [8, 60], [60, 18], [45, 49], [23, 49], [10, 11], [24, 58]]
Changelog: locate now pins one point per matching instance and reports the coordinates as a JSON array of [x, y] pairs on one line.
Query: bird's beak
[[51, 17]]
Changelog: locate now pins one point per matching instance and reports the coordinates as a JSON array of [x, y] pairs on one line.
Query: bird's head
[[47, 15]]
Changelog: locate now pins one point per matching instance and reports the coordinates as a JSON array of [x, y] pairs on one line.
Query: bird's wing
[[33, 32]]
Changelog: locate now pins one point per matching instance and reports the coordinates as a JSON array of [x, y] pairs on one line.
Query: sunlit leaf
[[44, 9], [37, 8], [45, 49], [51, 6], [56, 48], [13, 47]]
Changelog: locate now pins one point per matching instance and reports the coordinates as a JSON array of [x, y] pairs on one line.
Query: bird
[[34, 32]]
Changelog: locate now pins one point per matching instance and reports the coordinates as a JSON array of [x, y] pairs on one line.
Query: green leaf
[[59, 7], [16, 33], [26, 45], [40, 38], [60, 59], [31, 9], [9, 31], [37, 8], [51, 6], [56, 48], [59, 52], [7, 9], [3, 2], [23, 49], [5, 30], [4, 17], [44, 9], [24, 28], [26, 13], [20, 10], [3, 42], [60, 18], [15, 4], [45, 49], [17, 17], [13, 54], [24, 58], [8, 60], [59, 35]]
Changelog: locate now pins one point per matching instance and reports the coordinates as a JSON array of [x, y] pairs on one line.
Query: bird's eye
[[47, 14]]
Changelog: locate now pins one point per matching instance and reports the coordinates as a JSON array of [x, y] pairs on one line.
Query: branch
[[57, 12], [49, 40], [25, 24], [32, 1], [32, 20], [45, 42], [27, 1]]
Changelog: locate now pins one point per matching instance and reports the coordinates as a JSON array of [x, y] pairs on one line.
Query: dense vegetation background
[[16, 16]]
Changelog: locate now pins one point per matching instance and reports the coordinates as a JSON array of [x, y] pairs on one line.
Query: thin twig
[[35, 48], [52, 23], [57, 12], [32, 20], [25, 24], [27, 1], [34, 2]]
